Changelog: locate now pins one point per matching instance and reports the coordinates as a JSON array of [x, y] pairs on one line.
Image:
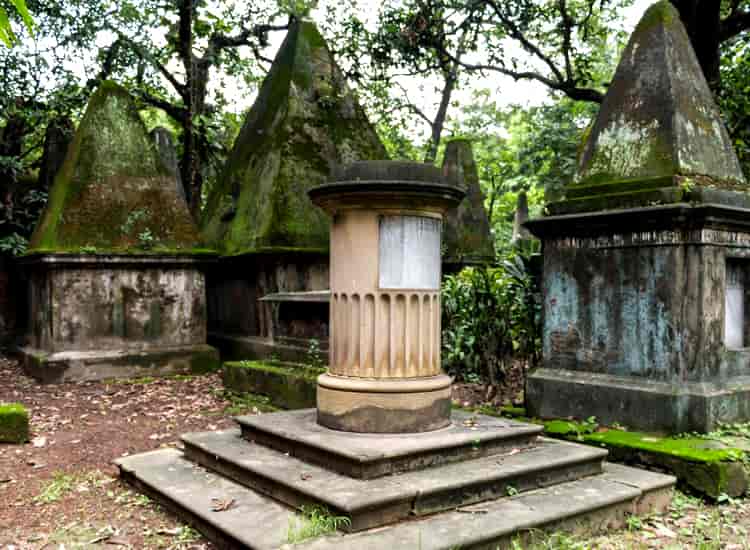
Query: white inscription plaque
[[734, 307], [410, 252]]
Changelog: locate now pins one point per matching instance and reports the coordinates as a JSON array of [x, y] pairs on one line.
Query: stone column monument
[[384, 373]]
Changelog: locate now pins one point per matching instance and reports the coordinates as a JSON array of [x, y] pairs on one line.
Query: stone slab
[[76, 366], [598, 503], [373, 455], [374, 502], [638, 401], [236, 347], [253, 521]]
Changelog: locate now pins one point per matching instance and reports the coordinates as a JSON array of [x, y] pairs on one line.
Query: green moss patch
[[288, 385], [14, 423], [204, 362], [694, 449], [706, 464]]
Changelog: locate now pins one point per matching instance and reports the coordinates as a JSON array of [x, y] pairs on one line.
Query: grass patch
[[314, 521], [62, 483], [244, 403], [59, 485]]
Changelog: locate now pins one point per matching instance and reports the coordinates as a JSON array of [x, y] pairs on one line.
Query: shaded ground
[[60, 490], [509, 393], [61, 487]]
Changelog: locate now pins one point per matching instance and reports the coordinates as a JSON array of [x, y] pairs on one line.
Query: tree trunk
[[439, 122], [702, 19]]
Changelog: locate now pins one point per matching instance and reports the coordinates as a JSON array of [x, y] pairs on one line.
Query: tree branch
[[734, 24], [145, 55], [176, 112], [567, 25], [516, 33], [566, 87], [218, 42]]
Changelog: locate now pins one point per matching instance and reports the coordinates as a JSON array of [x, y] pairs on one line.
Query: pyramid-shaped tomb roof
[[658, 125], [113, 194], [305, 120]]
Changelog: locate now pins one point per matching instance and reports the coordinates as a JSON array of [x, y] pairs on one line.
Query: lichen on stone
[[305, 120], [113, 194], [658, 118]]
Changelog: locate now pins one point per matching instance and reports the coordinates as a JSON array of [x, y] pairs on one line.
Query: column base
[[367, 405]]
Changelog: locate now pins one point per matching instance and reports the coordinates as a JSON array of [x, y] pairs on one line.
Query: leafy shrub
[[491, 315], [19, 213]]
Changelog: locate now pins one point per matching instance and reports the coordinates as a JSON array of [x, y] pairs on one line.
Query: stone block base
[[383, 406], [238, 347], [638, 402], [76, 366], [289, 385]]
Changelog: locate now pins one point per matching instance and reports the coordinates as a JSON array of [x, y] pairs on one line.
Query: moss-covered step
[[289, 385], [14, 423], [712, 465]]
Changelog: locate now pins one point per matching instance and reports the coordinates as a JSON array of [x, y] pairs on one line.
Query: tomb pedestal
[[384, 368], [93, 317], [636, 325], [636, 255]]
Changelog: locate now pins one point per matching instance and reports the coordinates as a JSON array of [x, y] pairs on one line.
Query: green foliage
[[315, 357], [7, 36], [17, 219], [529, 149], [13, 244], [490, 316], [734, 96], [53, 491], [314, 521]]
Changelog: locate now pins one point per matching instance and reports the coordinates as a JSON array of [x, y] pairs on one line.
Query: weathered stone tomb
[[273, 240], [116, 287], [647, 257]]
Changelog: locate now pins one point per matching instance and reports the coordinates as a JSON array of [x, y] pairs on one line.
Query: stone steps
[[593, 504], [367, 456], [387, 499], [259, 522]]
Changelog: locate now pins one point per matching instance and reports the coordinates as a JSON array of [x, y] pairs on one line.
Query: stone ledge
[[638, 402], [237, 347], [289, 385], [704, 464], [595, 503], [76, 366], [368, 456], [599, 503]]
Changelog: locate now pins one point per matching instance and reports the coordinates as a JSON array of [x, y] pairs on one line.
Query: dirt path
[[60, 491], [62, 487]]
